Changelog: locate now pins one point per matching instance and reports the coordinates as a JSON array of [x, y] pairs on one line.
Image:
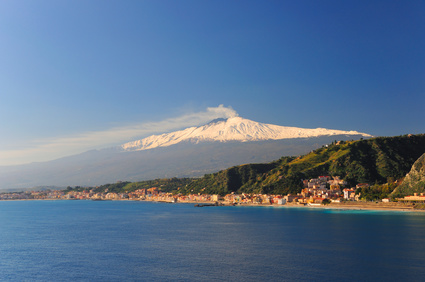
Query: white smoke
[[222, 112]]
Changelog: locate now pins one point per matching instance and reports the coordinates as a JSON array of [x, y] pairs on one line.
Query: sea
[[146, 241]]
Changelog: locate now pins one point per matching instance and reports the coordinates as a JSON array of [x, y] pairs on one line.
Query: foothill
[[356, 174]]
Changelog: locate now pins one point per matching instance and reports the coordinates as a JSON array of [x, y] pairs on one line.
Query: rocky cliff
[[414, 182]]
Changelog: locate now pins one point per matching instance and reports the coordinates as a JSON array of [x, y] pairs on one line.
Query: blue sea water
[[143, 241]]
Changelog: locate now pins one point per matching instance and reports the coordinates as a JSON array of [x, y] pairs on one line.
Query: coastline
[[351, 206], [372, 206], [393, 206]]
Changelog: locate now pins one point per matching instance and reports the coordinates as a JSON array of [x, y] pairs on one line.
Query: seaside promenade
[[212, 200]]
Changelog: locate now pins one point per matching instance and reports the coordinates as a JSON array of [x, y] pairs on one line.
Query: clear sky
[[78, 75]]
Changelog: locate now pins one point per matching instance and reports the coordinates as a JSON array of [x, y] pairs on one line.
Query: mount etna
[[191, 152]]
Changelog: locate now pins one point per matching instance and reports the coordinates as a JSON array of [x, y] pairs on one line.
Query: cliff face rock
[[414, 182]]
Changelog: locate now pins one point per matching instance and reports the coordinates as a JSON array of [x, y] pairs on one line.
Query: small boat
[[205, 205]]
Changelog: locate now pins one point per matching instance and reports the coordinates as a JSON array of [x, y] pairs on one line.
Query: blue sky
[[70, 70]]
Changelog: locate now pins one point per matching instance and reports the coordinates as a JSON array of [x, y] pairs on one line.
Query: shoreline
[[351, 206], [392, 206], [368, 207]]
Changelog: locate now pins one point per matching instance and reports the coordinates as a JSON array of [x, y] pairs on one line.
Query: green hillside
[[164, 185], [377, 160], [414, 182]]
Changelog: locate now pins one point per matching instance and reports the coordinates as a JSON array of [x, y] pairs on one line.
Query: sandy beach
[[392, 206]]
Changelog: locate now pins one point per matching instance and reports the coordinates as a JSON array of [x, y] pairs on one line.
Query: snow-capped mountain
[[232, 129], [191, 152]]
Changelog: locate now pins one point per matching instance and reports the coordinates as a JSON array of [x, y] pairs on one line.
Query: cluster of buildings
[[154, 194], [324, 187], [315, 191], [415, 198], [33, 195]]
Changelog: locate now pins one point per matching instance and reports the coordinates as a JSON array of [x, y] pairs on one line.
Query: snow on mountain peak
[[232, 129]]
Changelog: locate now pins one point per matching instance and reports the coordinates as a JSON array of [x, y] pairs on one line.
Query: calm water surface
[[142, 241]]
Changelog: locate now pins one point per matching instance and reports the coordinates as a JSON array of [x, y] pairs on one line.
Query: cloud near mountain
[[56, 147], [227, 126], [225, 141]]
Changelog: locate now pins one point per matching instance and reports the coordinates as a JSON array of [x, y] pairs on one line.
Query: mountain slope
[[414, 182], [192, 152], [232, 129], [185, 159], [372, 161]]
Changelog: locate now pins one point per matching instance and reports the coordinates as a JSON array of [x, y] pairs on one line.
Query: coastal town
[[323, 190]]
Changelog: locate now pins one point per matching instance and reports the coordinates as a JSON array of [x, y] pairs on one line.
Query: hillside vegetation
[[164, 185], [414, 182], [375, 161]]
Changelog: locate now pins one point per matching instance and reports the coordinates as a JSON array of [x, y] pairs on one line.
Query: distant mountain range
[[191, 152]]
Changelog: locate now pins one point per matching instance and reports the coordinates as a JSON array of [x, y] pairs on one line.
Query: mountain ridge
[[191, 152], [97, 167], [232, 129], [375, 161]]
